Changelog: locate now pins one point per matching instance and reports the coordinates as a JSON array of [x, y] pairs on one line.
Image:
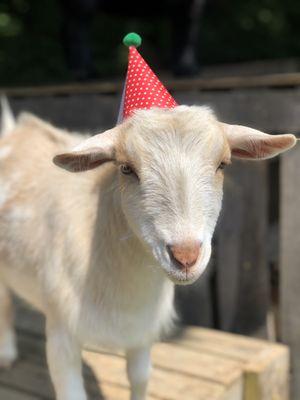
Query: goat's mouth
[[185, 276]]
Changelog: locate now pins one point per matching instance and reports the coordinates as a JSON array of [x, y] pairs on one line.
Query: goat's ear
[[90, 153], [251, 144]]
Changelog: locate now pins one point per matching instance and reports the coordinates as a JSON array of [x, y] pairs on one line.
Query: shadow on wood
[[29, 377]]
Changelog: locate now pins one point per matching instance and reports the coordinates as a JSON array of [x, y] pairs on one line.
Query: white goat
[[99, 252]]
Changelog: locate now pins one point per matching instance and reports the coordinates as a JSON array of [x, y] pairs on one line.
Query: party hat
[[142, 90]]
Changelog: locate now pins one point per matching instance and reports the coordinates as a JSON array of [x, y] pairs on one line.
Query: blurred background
[[64, 61], [39, 40]]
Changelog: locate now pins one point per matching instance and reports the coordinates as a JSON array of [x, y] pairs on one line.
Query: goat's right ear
[[90, 153]]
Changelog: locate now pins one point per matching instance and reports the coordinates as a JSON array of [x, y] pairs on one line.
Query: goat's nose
[[185, 253]]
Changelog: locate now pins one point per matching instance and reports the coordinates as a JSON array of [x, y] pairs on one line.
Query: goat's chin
[[184, 278]]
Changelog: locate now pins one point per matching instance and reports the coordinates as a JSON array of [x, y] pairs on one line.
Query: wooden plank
[[270, 110], [163, 384], [227, 250], [207, 83], [252, 68], [115, 392], [97, 87], [28, 377], [187, 361], [77, 112], [237, 82], [34, 380], [7, 393], [243, 281], [265, 109], [265, 365], [290, 259], [267, 376], [224, 344]]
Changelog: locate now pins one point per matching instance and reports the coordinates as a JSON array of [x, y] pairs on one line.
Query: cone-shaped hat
[[143, 89]]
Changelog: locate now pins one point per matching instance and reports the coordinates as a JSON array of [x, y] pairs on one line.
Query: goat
[[99, 252]]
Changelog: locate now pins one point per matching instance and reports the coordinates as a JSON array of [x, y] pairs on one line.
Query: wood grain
[[290, 260], [207, 83], [243, 290]]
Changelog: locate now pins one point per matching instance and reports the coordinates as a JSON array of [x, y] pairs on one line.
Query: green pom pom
[[132, 39]]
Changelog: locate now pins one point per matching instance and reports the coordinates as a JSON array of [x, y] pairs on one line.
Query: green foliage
[[237, 30], [30, 48], [257, 29]]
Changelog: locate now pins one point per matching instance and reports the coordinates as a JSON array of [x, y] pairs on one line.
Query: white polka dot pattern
[[143, 88]]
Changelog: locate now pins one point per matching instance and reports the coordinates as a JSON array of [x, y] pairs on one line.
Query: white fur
[[8, 351], [138, 371], [8, 188], [4, 151], [4, 193], [7, 118], [90, 249]]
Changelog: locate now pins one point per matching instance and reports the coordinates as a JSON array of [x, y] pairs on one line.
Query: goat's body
[[55, 245]]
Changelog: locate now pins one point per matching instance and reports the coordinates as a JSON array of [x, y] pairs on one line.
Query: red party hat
[[143, 89]]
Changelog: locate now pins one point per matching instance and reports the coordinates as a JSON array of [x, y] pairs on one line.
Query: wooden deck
[[200, 364]]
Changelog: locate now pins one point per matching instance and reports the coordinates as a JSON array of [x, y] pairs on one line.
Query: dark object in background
[[184, 16]]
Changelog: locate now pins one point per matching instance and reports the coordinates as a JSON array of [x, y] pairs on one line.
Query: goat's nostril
[[186, 254]]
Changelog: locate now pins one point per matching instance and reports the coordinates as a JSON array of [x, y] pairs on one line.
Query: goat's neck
[[123, 276]]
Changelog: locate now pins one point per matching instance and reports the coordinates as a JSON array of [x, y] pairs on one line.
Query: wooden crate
[[204, 364], [200, 364]]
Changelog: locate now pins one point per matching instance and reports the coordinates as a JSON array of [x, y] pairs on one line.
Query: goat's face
[[171, 185], [171, 177]]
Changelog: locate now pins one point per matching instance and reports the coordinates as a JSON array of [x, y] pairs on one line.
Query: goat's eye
[[126, 169], [222, 165]]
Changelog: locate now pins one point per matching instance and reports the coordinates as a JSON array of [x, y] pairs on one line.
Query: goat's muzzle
[[185, 254]]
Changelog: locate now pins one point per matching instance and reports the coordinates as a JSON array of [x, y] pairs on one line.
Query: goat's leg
[[8, 349], [64, 361], [138, 371]]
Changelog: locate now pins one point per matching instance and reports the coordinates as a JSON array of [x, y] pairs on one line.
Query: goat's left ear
[[91, 153], [251, 144]]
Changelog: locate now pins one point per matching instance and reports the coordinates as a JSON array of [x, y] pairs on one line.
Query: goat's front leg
[[8, 349], [138, 371], [64, 361]]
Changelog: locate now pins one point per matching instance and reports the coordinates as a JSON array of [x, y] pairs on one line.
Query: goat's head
[[171, 177]]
